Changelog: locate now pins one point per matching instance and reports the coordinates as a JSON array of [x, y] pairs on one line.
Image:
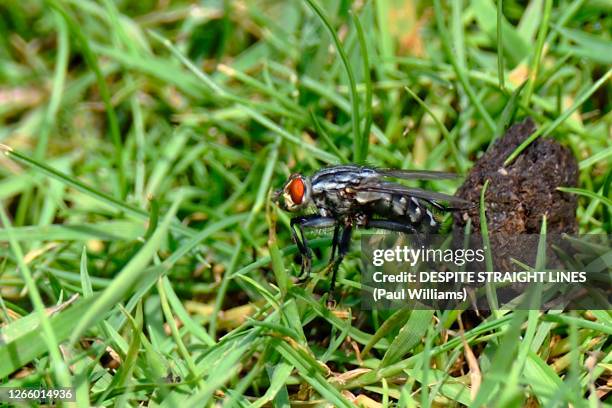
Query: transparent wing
[[416, 174], [378, 186]]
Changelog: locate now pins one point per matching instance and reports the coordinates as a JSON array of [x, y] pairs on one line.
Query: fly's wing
[[416, 174], [379, 186]]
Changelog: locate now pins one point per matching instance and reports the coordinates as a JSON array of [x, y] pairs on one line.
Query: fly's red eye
[[296, 190]]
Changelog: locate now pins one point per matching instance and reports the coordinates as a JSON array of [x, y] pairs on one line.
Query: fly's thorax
[[343, 174], [332, 202], [335, 190]]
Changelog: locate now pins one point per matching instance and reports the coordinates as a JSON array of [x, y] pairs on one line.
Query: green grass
[[140, 144]]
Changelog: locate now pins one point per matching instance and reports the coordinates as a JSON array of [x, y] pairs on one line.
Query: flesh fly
[[349, 196]]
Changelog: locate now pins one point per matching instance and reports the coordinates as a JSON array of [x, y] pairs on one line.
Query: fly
[[348, 196]]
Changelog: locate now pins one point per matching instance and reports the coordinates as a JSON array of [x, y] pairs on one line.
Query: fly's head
[[295, 195]]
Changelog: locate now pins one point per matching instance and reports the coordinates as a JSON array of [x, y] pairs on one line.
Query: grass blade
[[597, 157], [49, 338], [408, 337], [33, 344], [545, 131], [587, 193], [461, 75], [361, 144], [363, 46], [484, 229], [537, 57], [92, 61], [500, 45], [123, 282], [85, 279], [445, 133]]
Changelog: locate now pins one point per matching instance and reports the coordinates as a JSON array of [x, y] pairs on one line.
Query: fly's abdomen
[[418, 213], [404, 208]]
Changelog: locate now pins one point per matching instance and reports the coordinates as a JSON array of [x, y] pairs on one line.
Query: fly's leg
[[334, 243], [396, 226], [391, 225], [308, 221], [302, 245], [343, 248]]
